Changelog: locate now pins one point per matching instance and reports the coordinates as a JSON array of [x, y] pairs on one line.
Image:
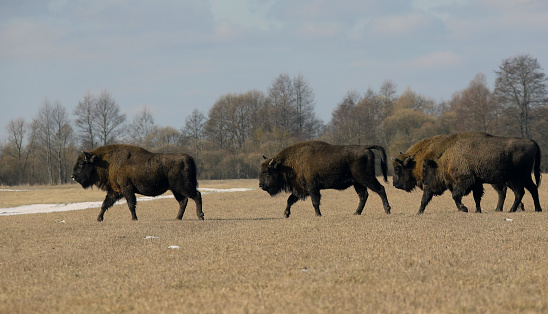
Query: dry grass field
[[244, 257]]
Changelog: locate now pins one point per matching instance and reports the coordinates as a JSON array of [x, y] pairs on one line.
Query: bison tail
[[384, 166], [538, 176], [193, 173]]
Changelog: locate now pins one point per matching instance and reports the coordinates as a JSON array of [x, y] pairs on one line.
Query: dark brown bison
[[123, 170], [308, 167], [408, 167], [463, 162]]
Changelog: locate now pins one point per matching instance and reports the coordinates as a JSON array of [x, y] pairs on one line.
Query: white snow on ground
[[50, 208]]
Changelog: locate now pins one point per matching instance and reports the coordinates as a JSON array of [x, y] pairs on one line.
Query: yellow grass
[[246, 258]]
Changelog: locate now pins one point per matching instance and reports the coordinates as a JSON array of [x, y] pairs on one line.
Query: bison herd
[[460, 163]]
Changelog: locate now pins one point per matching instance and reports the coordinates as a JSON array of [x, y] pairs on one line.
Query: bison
[[308, 167], [463, 162], [123, 170]]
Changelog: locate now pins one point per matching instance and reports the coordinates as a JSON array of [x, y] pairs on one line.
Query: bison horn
[[271, 163]]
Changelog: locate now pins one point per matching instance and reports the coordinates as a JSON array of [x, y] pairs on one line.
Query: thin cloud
[[401, 24], [436, 60]]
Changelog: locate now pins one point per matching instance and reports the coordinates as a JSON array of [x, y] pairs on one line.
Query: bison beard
[[308, 167], [123, 170], [463, 162]]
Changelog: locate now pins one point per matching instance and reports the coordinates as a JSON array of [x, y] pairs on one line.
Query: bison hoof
[[99, 219], [357, 213], [201, 217]]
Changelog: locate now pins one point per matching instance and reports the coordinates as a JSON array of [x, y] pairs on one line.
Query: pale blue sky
[[175, 56]]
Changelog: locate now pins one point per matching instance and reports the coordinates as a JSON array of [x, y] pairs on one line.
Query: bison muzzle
[[123, 170], [308, 167]]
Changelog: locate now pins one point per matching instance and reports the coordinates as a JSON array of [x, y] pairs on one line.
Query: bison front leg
[[501, 190], [290, 201], [518, 192], [132, 204], [457, 197], [427, 195], [110, 199]]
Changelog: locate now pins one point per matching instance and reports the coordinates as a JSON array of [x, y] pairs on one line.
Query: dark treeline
[[229, 140]]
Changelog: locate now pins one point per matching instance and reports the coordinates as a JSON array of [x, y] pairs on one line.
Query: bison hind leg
[[198, 200], [132, 204], [183, 202], [377, 187], [478, 193], [316, 199], [533, 189], [363, 194]]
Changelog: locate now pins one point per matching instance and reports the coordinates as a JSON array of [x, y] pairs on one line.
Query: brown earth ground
[[246, 258]]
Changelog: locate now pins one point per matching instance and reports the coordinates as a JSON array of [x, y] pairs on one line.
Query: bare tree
[[85, 121], [282, 99], [62, 139], [142, 128], [521, 87], [343, 123], [474, 106], [388, 97], [216, 127], [44, 122], [194, 129], [21, 140], [304, 106], [109, 120]]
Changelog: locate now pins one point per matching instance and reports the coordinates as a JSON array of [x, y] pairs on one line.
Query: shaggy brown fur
[[468, 162], [409, 166], [123, 170], [308, 167]]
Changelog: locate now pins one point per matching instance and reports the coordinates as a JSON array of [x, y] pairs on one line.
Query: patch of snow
[[50, 208]]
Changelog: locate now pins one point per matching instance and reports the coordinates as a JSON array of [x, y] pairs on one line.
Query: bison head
[[85, 171], [404, 178], [270, 177]]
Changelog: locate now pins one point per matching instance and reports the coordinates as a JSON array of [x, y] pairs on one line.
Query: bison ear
[[87, 156], [430, 163], [409, 162], [273, 164], [264, 157]]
